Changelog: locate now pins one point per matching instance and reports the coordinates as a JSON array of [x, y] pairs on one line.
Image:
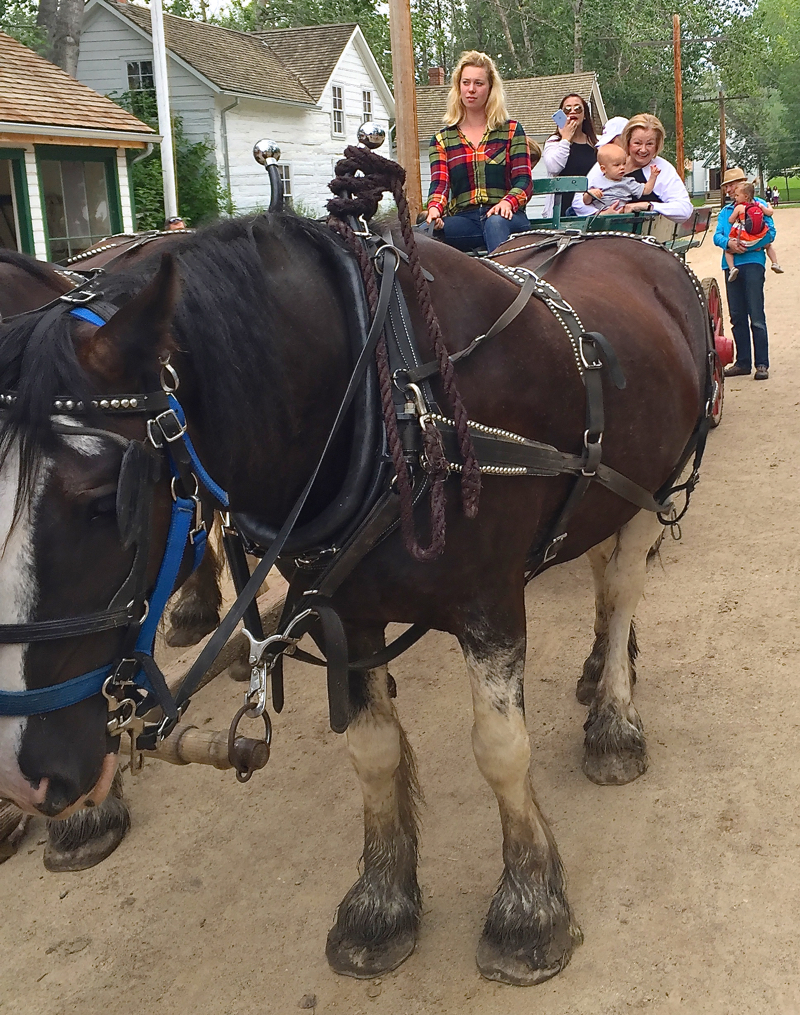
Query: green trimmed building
[[64, 156]]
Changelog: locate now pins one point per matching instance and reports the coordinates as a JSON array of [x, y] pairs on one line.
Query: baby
[[617, 189], [748, 226]]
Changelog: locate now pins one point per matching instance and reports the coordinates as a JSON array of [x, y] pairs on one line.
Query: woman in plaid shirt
[[480, 160]]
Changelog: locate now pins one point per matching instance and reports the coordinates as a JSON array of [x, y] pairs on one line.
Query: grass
[[794, 188]]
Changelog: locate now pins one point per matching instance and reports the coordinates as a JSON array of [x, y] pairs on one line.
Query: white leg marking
[[599, 556], [624, 584], [18, 591], [500, 741], [373, 740]]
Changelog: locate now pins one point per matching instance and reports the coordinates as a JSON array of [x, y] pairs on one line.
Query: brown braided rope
[[360, 196]]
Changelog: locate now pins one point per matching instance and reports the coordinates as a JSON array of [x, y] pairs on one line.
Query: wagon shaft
[[188, 745]]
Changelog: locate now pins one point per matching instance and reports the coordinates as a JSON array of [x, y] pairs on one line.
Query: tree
[[18, 19], [60, 22]]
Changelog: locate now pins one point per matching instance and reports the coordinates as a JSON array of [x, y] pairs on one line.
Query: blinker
[[140, 469]]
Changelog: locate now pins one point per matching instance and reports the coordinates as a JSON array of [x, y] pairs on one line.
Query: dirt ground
[[686, 882]]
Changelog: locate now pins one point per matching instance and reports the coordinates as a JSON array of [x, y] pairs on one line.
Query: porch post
[[35, 201]]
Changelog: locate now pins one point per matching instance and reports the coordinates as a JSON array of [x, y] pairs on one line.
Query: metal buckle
[[587, 364], [552, 548], [168, 378], [587, 442], [170, 426], [364, 230], [79, 297]]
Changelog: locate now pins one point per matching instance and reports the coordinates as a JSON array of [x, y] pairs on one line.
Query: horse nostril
[[59, 796]]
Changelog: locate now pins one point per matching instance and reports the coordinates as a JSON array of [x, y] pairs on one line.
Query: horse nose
[[61, 793]]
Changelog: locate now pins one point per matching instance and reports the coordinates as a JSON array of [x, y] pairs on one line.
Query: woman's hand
[[435, 216], [613, 209], [637, 206], [569, 130], [501, 208]]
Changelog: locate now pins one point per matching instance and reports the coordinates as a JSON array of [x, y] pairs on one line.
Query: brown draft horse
[[254, 319]]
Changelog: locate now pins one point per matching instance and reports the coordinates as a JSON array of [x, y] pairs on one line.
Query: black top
[[638, 175], [580, 160]]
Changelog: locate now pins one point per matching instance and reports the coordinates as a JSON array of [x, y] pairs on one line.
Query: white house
[[306, 88], [532, 101]]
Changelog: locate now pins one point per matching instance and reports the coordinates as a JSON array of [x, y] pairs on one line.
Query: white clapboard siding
[[108, 44]]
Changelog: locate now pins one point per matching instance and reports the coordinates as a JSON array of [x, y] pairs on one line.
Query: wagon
[[679, 237]]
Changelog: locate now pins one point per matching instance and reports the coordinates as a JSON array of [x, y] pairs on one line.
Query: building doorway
[[9, 215]]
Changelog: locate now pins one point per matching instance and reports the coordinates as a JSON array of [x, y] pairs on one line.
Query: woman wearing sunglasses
[[571, 151]]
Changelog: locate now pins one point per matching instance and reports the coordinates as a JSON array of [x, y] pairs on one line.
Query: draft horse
[[255, 321]]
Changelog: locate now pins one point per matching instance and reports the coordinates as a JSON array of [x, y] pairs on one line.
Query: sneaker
[[733, 274], [734, 370], [761, 374], [777, 268]]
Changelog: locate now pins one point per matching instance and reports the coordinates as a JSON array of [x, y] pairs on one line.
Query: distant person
[[480, 161], [614, 189], [746, 293], [571, 150], [775, 197], [176, 222], [748, 225]]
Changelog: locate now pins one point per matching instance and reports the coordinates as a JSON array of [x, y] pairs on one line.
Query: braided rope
[[360, 196]]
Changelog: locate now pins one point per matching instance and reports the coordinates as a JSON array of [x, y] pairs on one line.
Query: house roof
[[532, 101], [311, 53], [36, 92], [234, 61]]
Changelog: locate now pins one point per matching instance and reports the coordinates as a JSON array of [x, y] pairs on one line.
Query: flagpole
[[162, 102]]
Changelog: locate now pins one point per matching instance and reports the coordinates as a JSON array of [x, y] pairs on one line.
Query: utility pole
[[162, 102], [720, 99], [676, 59], [405, 99]]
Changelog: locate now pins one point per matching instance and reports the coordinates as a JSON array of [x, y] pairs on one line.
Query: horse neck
[[263, 445]]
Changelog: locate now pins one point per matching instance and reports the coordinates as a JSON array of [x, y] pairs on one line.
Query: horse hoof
[[13, 824], [614, 750], [363, 962], [518, 968], [87, 838], [180, 636], [613, 769]]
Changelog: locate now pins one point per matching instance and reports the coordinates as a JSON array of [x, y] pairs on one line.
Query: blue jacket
[[755, 254]]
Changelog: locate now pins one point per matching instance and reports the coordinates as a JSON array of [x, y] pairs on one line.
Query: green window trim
[[79, 153], [20, 177]]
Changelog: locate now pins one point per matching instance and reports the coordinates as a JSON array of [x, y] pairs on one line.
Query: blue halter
[[168, 432]]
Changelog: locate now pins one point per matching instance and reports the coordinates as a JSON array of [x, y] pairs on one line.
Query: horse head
[[77, 488]]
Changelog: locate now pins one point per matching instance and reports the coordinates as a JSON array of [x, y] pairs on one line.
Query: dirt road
[[686, 883]]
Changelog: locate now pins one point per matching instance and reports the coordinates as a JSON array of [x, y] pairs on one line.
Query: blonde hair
[[496, 111], [534, 150], [645, 121]]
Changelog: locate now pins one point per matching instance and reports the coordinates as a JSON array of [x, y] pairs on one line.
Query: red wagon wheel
[[723, 346]]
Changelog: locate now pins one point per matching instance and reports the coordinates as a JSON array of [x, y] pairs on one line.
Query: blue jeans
[[746, 306], [474, 228]]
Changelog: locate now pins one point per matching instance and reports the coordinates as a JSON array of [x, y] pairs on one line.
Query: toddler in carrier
[[748, 227], [616, 189]]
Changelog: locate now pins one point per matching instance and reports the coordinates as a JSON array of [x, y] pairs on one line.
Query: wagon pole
[[405, 99]]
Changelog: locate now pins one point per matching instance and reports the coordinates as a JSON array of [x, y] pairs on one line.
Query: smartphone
[[560, 118]]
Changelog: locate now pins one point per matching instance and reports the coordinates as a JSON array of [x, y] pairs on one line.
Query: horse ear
[[139, 332]]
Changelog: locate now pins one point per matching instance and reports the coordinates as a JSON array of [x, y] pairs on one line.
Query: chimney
[[436, 76]]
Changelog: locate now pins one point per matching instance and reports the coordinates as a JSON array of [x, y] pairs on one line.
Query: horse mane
[[222, 323]]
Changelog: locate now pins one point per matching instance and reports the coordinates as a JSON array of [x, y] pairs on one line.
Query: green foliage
[[200, 194], [18, 19]]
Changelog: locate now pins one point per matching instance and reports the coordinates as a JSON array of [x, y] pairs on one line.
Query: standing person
[[746, 293], [776, 196], [480, 159], [571, 151], [748, 226]]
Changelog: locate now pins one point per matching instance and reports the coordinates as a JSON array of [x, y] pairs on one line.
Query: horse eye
[[103, 507]]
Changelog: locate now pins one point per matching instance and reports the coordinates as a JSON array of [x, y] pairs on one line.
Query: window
[[337, 96], [80, 196], [285, 173], [366, 97], [140, 76]]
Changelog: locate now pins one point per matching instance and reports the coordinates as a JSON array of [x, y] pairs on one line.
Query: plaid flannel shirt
[[498, 169]]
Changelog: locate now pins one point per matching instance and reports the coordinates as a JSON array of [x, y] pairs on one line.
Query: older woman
[[480, 160], [642, 140], [572, 150]]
